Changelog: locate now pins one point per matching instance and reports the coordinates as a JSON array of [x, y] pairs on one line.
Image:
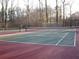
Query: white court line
[[15, 34], [62, 38], [39, 44], [23, 33], [18, 34], [75, 39]]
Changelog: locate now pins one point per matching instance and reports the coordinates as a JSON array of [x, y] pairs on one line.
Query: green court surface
[[61, 38]]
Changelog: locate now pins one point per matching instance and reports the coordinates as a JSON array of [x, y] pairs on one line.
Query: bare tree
[[12, 10], [63, 2], [46, 11], [60, 13], [6, 12], [40, 12], [4, 4], [2, 11], [57, 11], [26, 3], [70, 5]]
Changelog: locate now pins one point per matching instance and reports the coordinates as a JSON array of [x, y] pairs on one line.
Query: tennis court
[[59, 37], [41, 44]]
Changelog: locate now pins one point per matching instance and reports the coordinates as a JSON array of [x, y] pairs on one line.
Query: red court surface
[[31, 51]]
